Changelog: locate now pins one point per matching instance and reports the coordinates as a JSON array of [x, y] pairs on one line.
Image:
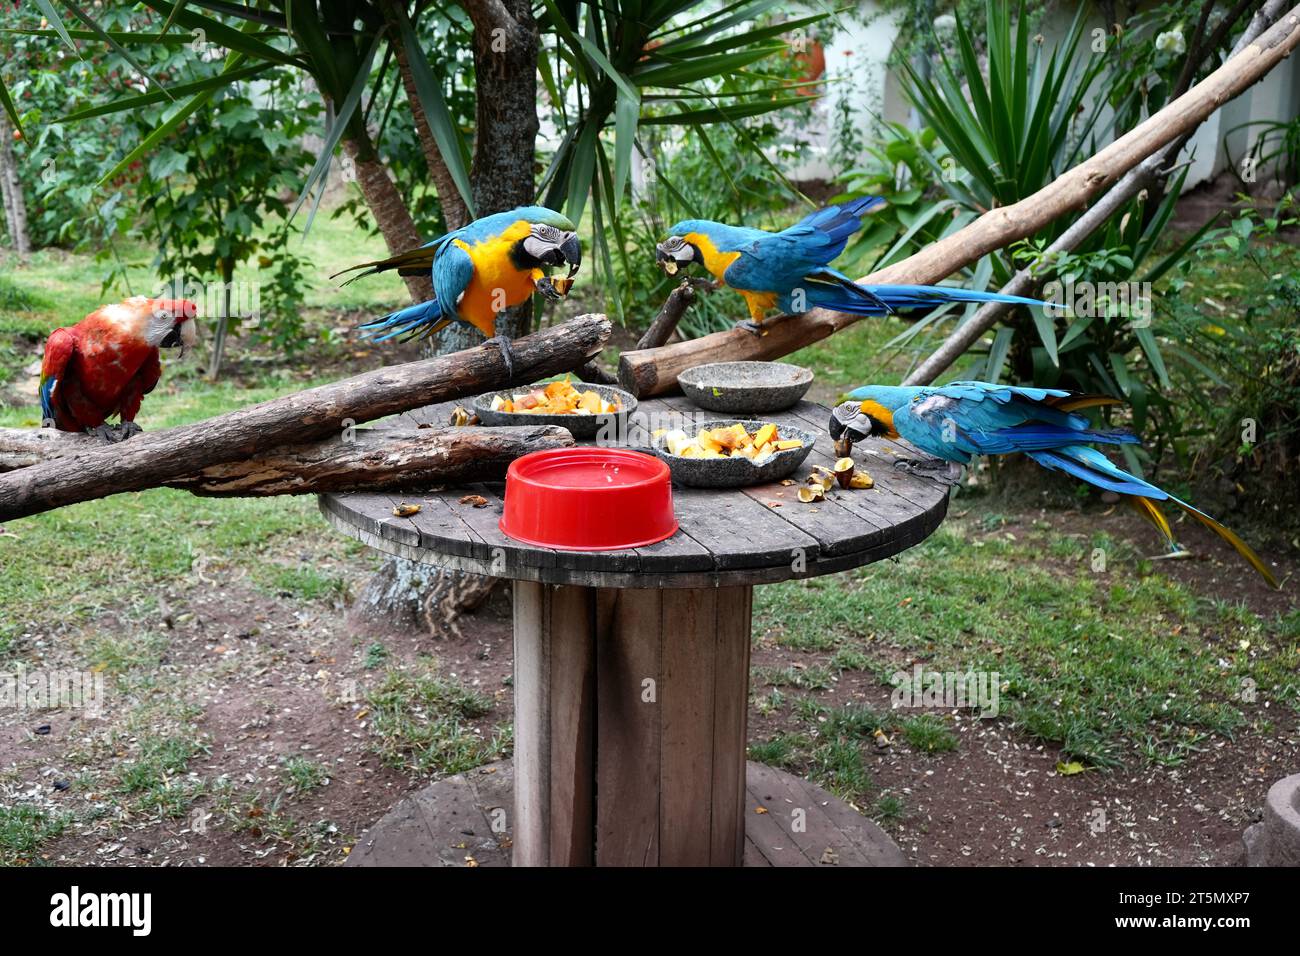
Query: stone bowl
[[745, 388], [580, 426], [736, 472]]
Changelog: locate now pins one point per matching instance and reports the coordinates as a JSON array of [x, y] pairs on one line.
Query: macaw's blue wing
[[965, 419], [452, 271], [795, 258], [1096, 469], [825, 232]]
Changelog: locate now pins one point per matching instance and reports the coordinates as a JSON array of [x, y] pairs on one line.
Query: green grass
[[303, 774], [24, 828], [1089, 662], [927, 733], [421, 722]]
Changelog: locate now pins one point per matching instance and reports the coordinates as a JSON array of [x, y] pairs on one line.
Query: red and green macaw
[[479, 270], [790, 270], [106, 363], [958, 421]]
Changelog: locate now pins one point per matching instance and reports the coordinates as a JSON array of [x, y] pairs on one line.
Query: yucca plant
[[1017, 123]]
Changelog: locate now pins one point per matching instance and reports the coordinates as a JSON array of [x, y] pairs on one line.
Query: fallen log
[[367, 459], [157, 458], [654, 371]]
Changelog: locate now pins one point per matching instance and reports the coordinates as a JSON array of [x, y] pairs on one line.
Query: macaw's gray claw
[[109, 434], [749, 325], [935, 469], [546, 287], [130, 430], [507, 354]]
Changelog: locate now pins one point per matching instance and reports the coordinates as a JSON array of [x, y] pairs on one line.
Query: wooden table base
[[463, 820], [630, 725]]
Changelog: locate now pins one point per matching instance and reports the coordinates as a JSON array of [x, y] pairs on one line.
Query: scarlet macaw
[[106, 363], [790, 270], [958, 421], [479, 270]]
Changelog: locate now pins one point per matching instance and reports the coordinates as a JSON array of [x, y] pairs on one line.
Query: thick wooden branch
[[156, 458], [655, 371], [364, 459]]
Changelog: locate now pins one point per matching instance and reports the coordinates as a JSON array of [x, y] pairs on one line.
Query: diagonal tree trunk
[[11, 194], [405, 594]]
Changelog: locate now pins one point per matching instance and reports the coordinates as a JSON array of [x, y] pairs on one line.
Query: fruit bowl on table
[[581, 422], [745, 388], [727, 468]]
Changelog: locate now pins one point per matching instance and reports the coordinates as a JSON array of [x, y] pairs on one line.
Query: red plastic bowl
[[588, 499]]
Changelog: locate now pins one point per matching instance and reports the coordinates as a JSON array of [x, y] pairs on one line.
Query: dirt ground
[[269, 679]]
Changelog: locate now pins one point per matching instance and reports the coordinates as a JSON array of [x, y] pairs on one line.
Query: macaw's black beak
[[673, 254], [843, 428], [572, 252], [172, 339]]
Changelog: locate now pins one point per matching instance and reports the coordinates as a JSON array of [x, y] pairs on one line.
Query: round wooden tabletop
[[737, 536]]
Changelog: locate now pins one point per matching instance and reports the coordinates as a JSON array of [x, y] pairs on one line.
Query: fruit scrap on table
[[556, 398], [823, 479], [731, 441]]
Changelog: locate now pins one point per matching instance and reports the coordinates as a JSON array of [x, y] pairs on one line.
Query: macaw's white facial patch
[[161, 324]]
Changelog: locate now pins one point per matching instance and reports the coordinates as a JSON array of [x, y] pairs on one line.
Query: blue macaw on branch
[[479, 270], [958, 421], [790, 270]]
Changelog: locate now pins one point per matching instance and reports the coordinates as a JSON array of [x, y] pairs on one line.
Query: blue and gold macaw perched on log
[[790, 270], [480, 270], [958, 421]]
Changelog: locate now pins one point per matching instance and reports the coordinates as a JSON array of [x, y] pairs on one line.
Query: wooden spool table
[[631, 668]]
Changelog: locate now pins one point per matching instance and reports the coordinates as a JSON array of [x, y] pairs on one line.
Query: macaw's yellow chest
[[715, 260], [497, 282]]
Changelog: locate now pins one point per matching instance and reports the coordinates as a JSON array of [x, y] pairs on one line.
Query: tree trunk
[[501, 178], [389, 209], [505, 137], [223, 320], [11, 194], [454, 212]]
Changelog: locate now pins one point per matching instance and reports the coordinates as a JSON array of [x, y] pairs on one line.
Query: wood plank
[[532, 824], [730, 710], [628, 725], [570, 640], [686, 706]]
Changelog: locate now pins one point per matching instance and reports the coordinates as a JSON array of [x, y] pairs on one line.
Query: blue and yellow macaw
[[790, 270], [956, 422], [479, 270]]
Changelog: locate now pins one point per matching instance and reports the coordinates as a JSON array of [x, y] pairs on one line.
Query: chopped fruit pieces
[[556, 398], [730, 441], [844, 471], [861, 479], [811, 493]]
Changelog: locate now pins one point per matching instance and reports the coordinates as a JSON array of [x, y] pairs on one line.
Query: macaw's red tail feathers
[[1228, 535], [1072, 403], [413, 263]]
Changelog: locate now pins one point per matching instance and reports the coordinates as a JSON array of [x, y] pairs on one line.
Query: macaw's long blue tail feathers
[[901, 297], [840, 294], [415, 321], [1096, 469]]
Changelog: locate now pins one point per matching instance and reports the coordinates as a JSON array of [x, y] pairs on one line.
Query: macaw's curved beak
[[664, 259], [571, 249]]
